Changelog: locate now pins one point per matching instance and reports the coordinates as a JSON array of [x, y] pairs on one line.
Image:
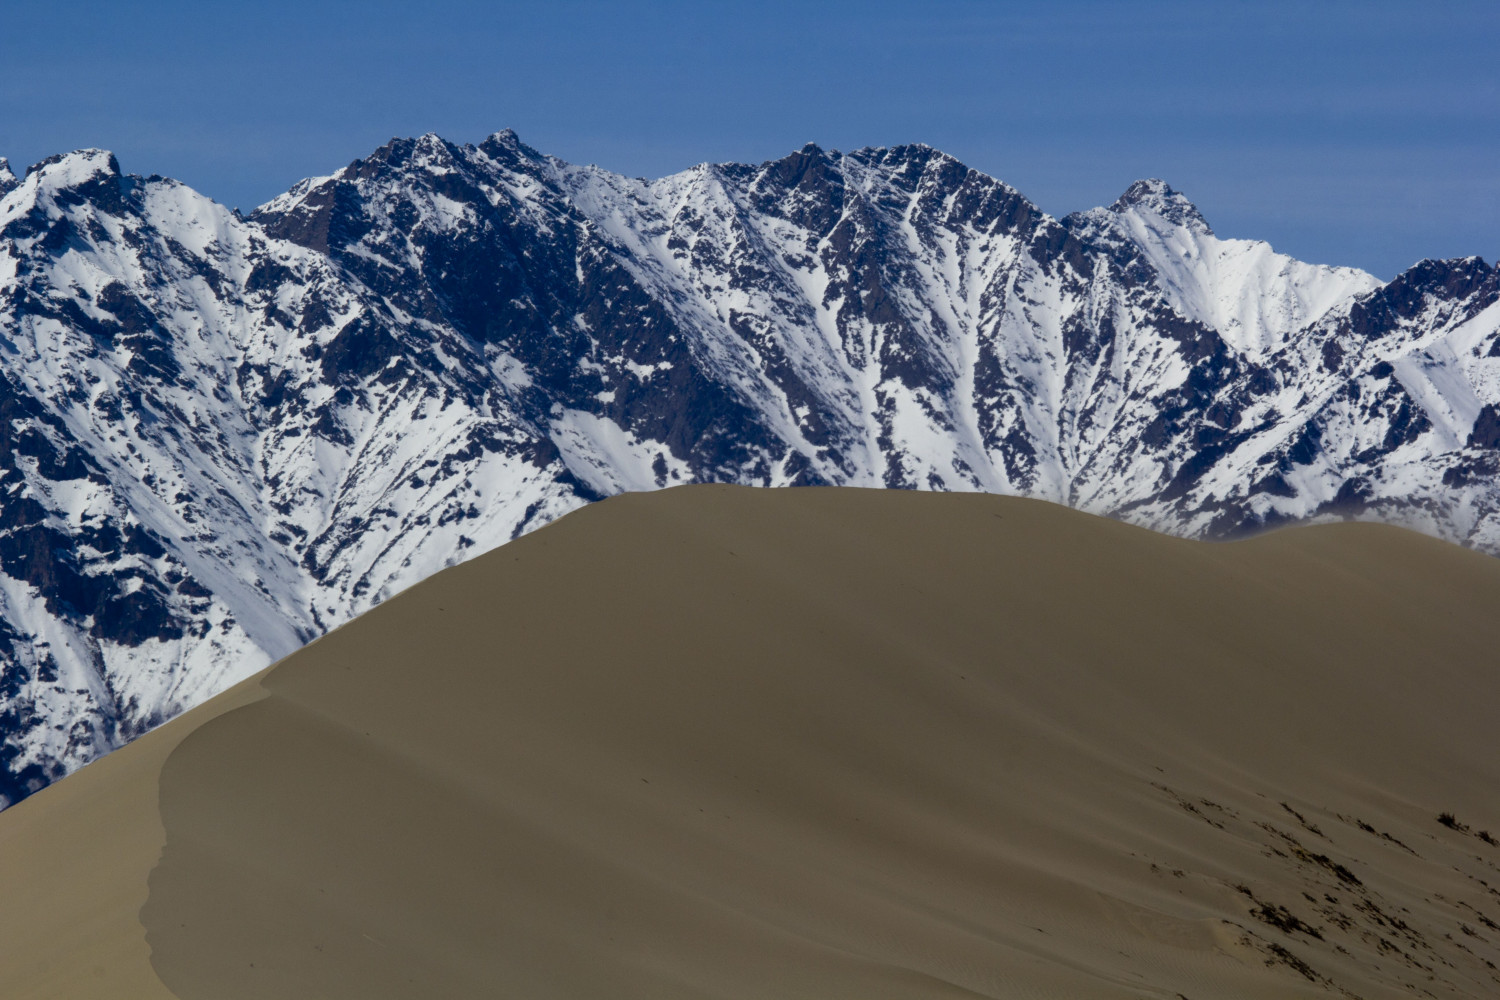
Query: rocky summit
[[225, 435]]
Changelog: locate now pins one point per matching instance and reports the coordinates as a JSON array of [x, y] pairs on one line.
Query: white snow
[[609, 458], [1253, 296]]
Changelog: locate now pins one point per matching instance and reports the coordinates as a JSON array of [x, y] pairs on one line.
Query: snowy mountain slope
[[227, 435], [1253, 297], [206, 471]]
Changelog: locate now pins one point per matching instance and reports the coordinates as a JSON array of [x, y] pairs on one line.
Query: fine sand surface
[[815, 743]]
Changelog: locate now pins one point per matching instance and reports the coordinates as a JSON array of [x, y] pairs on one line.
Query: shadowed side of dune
[[74, 864], [818, 743]]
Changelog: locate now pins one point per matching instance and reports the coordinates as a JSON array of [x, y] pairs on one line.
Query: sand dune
[[720, 742]]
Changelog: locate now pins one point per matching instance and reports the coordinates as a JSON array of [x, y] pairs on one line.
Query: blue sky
[[1351, 133]]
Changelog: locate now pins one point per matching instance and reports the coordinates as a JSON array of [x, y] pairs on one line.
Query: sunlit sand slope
[[720, 742]]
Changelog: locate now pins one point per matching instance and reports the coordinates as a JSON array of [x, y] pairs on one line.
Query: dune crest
[[724, 742]]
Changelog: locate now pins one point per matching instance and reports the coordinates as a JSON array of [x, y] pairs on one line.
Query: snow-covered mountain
[[226, 435]]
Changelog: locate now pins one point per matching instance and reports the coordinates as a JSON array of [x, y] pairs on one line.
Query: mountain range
[[229, 434]]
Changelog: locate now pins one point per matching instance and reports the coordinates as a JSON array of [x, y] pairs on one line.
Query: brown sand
[[719, 742], [74, 861]]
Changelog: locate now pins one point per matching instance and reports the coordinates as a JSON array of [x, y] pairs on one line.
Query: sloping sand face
[[720, 742]]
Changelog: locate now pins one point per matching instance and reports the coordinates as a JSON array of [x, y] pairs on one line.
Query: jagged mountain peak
[[1429, 280], [901, 151], [1254, 298], [1157, 197], [912, 159], [1429, 294], [903, 156], [428, 155], [506, 147], [808, 168], [828, 183], [1453, 277], [424, 152], [51, 186], [79, 166], [8, 179]]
